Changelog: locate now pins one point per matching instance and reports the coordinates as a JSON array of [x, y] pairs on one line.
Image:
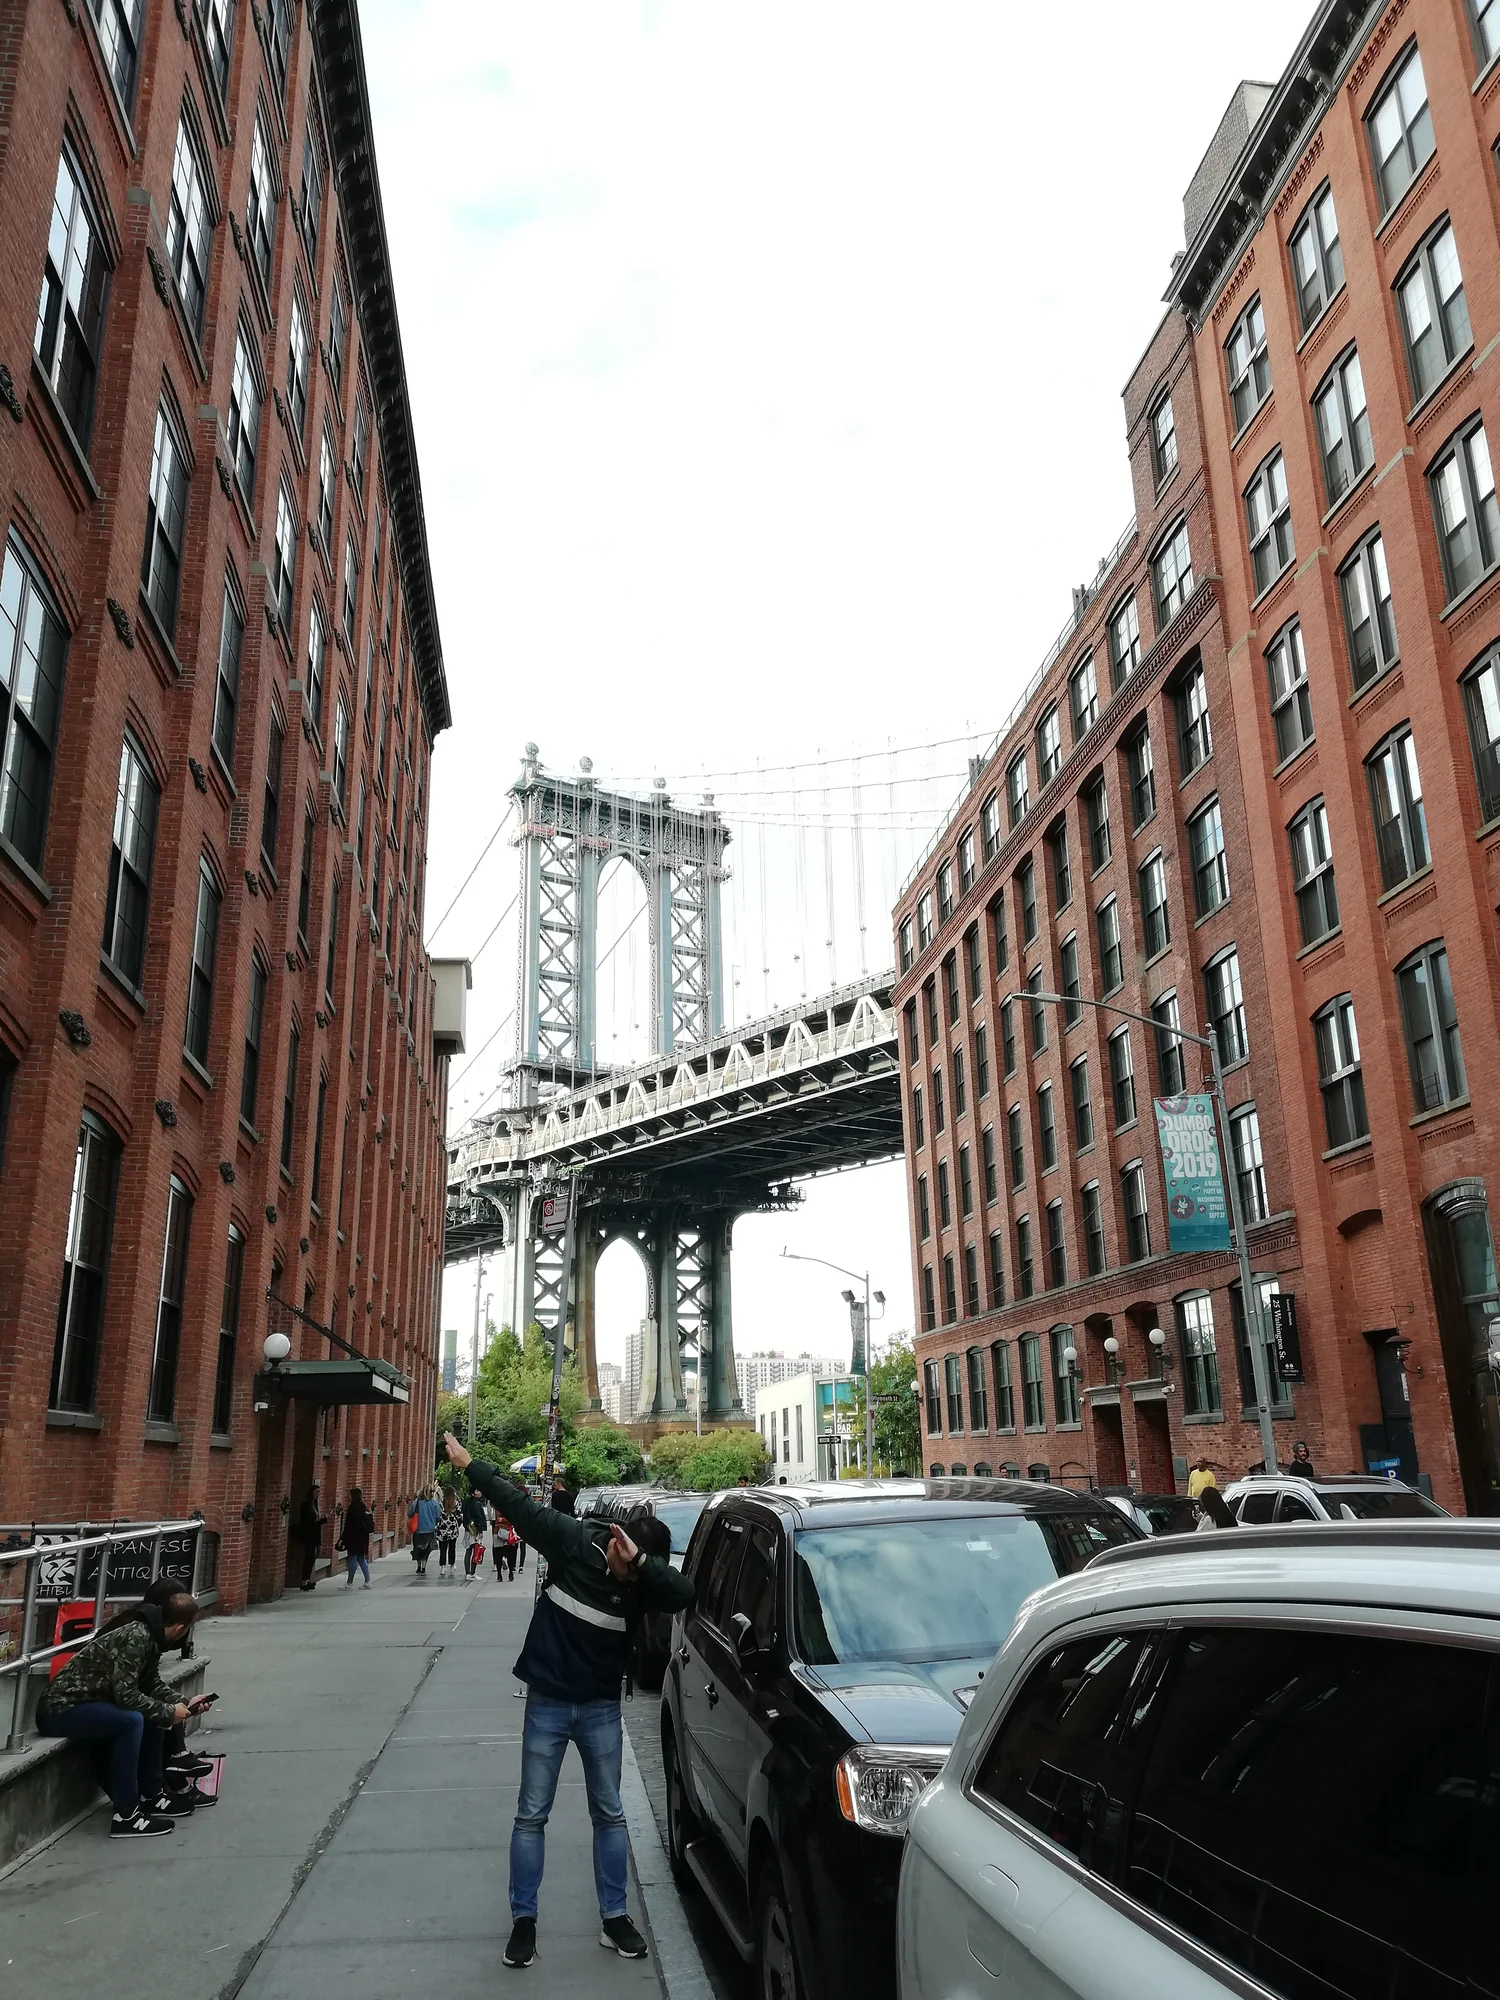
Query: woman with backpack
[[426, 1512], [505, 1545]]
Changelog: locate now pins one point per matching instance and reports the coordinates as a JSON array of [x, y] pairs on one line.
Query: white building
[[635, 1363], [611, 1384], [807, 1425], [755, 1372]]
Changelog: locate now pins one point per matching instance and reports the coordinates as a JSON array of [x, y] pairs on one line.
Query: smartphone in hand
[[200, 1704]]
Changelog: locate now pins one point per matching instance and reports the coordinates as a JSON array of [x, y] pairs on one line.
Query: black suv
[[817, 1684]]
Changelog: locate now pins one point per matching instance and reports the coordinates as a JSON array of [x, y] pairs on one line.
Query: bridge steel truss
[[666, 1154]]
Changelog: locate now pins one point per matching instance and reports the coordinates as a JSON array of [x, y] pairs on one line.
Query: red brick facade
[[228, 183], [1376, 1158]]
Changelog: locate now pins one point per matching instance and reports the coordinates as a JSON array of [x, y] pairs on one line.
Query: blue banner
[[1197, 1213]]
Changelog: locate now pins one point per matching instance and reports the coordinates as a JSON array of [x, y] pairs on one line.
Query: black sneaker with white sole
[[189, 1765], [174, 1805], [139, 1824], [620, 1934], [521, 1950]]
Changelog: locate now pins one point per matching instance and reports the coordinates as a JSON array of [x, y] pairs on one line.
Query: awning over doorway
[[335, 1382]]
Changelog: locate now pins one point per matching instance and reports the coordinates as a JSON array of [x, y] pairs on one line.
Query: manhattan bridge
[[667, 1152]]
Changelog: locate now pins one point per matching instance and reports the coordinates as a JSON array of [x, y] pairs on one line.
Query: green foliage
[[513, 1389], [703, 1465], [670, 1454], [600, 1455], [898, 1440]]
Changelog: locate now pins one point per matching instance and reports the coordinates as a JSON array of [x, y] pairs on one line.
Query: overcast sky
[[766, 366]]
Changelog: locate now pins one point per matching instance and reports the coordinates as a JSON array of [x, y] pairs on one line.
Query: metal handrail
[[32, 1553]]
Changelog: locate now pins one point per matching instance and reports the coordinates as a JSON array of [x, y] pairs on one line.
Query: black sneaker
[[620, 1934], [175, 1805], [138, 1824], [189, 1765], [200, 1797], [522, 1947]]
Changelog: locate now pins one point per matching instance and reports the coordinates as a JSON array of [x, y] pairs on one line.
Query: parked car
[[1266, 1497], [652, 1641], [1156, 1513], [814, 1689], [1261, 1762]]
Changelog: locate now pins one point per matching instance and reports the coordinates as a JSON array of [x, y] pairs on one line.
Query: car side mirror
[[745, 1645]]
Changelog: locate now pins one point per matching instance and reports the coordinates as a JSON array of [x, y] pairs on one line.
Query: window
[[1137, 1220], [70, 312], [279, 36], [1485, 16], [337, 325], [359, 835], [1124, 642], [131, 852], [1171, 1066], [188, 224], [997, 924], [1093, 1227], [289, 1100], [1200, 1360], [244, 414], [929, 1315], [119, 37], [1038, 1014], [989, 827], [1396, 800], [361, 442], [1248, 363], [254, 1021], [1343, 427], [1163, 441], [1096, 811], [1072, 984], [924, 904], [311, 205], [1048, 747], [1249, 1168], [950, 989], [33, 646], [991, 1176], [1268, 515], [317, 654], [945, 1202], [162, 1399], [1016, 794], [1434, 315], [1024, 1278], [960, 1089], [1317, 258], [1291, 704], [1026, 893], [908, 955], [1482, 704], [325, 495], [1111, 963], [1008, 1037], [1017, 1146], [938, 1119], [1431, 1026], [1400, 128], [1083, 697], [972, 969], [1312, 873], [201, 978], [1172, 575], [260, 207], [166, 519], [1005, 1395], [1064, 1378], [1463, 502], [284, 557], [1141, 767], [968, 866], [1340, 1077], [1083, 1108], [1210, 865], [1226, 1007], [1033, 1408], [1155, 924], [1195, 737], [924, 1211], [1062, 873], [80, 1308], [913, 1037], [304, 883], [1057, 1253], [317, 1178], [981, 1062], [1365, 591], [1122, 1078], [945, 891], [270, 814], [950, 1293], [997, 1270], [341, 756], [333, 936], [296, 367], [229, 1328], [979, 1404], [932, 1396], [1046, 1127]]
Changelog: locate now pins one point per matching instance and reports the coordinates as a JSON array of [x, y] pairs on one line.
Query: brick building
[[1325, 358], [223, 1051]]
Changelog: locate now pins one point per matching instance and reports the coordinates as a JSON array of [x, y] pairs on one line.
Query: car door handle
[[712, 1692], [683, 1654]]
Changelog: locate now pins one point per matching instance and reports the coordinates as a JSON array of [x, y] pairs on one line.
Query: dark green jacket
[[122, 1667], [576, 1645]]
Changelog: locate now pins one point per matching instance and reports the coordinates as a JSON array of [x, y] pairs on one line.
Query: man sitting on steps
[[599, 1580]]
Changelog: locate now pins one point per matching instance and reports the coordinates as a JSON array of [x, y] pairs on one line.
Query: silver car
[[1282, 1497], [1265, 1762]]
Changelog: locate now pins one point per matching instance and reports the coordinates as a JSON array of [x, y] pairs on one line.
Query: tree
[[704, 1464], [898, 1439], [600, 1455], [513, 1390]]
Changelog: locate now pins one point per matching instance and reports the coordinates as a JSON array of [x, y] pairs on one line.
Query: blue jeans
[[363, 1562], [127, 1748], [550, 1726]]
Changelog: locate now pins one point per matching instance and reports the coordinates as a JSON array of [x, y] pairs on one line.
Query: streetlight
[[1112, 1356], [863, 1277], [1157, 1338]]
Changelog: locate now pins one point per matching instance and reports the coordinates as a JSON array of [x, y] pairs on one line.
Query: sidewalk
[[361, 1843]]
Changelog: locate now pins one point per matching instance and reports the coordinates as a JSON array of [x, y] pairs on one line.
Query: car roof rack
[[1426, 1535]]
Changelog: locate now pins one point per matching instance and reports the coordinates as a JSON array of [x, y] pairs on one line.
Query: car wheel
[[682, 1825], [776, 1972]]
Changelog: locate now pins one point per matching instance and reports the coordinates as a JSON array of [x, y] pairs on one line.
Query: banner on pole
[[1284, 1334], [1198, 1215], [858, 1361]]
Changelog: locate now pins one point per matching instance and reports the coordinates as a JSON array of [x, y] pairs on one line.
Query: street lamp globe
[[277, 1348], [1111, 1346], [1070, 1355], [1157, 1338]]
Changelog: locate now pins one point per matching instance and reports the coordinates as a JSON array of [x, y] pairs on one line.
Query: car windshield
[[1171, 1516], [1364, 1503], [680, 1516], [944, 1589]]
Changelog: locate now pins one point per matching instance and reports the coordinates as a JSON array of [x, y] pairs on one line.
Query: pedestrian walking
[[562, 1499], [111, 1695], [1201, 1477], [600, 1577], [1213, 1511], [426, 1512], [504, 1543], [310, 1535], [355, 1539], [449, 1523], [476, 1521], [1301, 1466]]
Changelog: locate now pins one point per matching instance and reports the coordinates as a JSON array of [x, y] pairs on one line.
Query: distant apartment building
[[611, 1388], [808, 1425], [755, 1372]]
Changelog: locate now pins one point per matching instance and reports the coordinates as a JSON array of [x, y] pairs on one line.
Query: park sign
[[1198, 1217]]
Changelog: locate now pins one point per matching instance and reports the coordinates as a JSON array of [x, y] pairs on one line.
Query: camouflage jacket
[[122, 1667]]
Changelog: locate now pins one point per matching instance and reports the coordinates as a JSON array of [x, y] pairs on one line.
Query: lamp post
[[1157, 1338], [474, 1351], [863, 1278], [1112, 1357]]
